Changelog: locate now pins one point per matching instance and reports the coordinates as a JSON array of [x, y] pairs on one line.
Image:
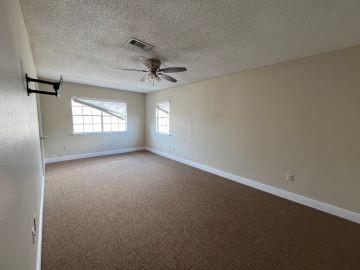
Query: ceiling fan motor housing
[[155, 72], [155, 63]]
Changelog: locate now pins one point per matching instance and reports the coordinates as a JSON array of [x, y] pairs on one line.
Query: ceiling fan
[[154, 72]]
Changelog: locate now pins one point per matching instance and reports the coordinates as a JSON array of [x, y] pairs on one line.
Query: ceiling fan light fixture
[[154, 71]]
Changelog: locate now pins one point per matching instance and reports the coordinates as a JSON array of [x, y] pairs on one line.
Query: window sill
[[163, 134], [98, 133]]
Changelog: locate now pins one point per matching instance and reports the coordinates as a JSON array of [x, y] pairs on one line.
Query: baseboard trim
[[94, 154], [40, 226], [328, 208]]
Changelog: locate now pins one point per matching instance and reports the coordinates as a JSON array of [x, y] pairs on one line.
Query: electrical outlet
[[290, 177]]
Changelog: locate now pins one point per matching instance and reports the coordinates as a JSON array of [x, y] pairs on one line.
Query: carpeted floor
[[142, 211]]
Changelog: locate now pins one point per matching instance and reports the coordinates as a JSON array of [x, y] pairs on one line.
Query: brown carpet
[[142, 211]]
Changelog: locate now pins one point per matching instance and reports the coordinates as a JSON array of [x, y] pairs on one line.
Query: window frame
[[156, 118], [102, 124]]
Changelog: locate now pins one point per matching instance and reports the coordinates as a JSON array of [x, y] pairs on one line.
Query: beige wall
[[20, 160], [57, 122], [301, 116]]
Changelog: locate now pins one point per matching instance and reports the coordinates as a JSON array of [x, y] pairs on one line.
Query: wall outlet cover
[[290, 177]]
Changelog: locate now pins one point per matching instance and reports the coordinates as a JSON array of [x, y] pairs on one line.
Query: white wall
[[20, 160], [300, 117], [57, 122]]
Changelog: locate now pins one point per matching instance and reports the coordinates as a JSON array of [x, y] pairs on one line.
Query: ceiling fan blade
[[173, 69], [167, 77], [146, 62], [132, 69], [144, 78]]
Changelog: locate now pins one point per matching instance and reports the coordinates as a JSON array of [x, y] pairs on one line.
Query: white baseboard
[[40, 227], [94, 154], [328, 208]]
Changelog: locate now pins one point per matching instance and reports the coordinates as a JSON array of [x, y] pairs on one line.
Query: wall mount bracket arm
[[57, 86]]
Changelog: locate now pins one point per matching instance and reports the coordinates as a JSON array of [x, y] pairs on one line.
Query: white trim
[[94, 154], [328, 208], [100, 99], [40, 226], [98, 133]]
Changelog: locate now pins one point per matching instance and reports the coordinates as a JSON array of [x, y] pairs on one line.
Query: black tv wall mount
[[57, 86]]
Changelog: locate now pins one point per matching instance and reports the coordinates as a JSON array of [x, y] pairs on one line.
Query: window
[[96, 116], [163, 117]]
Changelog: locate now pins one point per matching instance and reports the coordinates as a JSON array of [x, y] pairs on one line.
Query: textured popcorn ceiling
[[85, 39]]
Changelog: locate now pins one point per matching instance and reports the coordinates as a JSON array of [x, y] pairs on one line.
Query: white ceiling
[[85, 39]]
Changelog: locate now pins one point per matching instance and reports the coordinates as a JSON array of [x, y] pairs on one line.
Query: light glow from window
[[163, 117]]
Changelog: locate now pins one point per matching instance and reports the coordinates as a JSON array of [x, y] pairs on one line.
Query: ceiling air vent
[[141, 44]]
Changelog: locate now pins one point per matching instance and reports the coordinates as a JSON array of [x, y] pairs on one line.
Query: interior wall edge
[[21, 171], [297, 118], [93, 154], [58, 127], [324, 207], [41, 219]]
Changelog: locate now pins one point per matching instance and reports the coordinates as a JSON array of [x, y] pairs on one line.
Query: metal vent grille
[[141, 44]]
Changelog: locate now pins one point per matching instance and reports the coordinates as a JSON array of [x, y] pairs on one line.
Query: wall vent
[[141, 44]]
